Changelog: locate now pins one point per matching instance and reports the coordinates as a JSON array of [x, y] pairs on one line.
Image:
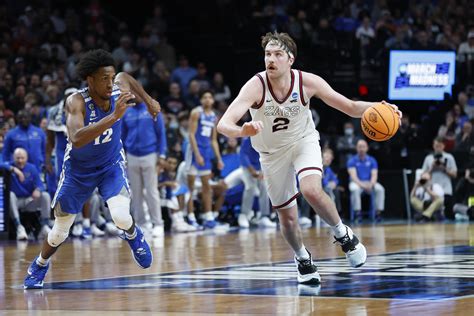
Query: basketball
[[379, 122]]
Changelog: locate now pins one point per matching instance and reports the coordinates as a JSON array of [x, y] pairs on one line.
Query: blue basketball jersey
[[106, 149], [206, 124]]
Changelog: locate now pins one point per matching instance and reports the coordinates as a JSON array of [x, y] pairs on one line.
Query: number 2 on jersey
[[280, 124], [107, 137]]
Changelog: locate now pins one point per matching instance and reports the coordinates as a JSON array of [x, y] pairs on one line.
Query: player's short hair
[[284, 39], [203, 92], [92, 61]]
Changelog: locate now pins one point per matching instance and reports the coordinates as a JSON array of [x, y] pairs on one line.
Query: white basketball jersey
[[284, 121]]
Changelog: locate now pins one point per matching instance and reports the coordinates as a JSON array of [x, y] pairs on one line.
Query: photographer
[[426, 198], [464, 196], [442, 167]]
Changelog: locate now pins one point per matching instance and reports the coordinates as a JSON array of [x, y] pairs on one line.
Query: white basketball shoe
[[355, 252]]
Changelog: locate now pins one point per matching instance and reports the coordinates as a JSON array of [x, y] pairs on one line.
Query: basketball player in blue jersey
[[202, 141], [283, 132], [94, 158]]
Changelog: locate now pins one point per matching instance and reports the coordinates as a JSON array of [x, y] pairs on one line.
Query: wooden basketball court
[[424, 269]]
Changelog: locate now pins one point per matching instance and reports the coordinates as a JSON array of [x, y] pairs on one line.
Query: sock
[[302, 253], [339, 229], [132, 235], [208, 216], [192, 217], [42, 261], [86, 223]]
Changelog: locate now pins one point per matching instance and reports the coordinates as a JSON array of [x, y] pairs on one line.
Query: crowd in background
[[40, 44]]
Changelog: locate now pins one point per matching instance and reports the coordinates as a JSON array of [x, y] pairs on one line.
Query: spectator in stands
[[365, 33], [159, 81], [426, 197], [123, 53], [192, 98], [447, 131], [442, 167], [183, 74], [464, 195], [466, 49], [221, 89], [202, 78], [346, 144], [28, 195], [144, 141], [26, 136], [166, 53], [465, 139], [174, 102], [363, 172], [330, 180]]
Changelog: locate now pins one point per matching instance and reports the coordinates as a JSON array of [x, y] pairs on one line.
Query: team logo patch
[[294, 95], [427, 274], [91, 106]]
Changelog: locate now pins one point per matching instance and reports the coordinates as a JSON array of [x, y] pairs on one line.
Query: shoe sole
[[312, 280], [39, 287]]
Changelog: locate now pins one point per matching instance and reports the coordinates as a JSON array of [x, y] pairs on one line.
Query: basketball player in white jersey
[[283, 133]]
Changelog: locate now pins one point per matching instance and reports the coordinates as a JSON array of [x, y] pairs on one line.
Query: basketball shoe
[[140, 249], [34, 278], [307, 271], [354, 250]]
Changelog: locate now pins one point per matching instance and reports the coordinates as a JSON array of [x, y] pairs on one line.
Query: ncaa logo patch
[[294, 95]]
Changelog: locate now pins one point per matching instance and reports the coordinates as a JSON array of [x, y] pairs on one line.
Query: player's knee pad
[[119, 207], [60, 230]]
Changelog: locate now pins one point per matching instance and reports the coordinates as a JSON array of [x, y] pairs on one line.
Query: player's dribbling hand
[[123, 103], [395, 108], [251, 128]]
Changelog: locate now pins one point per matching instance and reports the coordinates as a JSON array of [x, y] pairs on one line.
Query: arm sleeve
[[5, 166], [375, 165], [350, 163]]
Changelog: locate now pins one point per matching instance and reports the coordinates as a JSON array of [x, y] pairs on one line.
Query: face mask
[[349, 131]]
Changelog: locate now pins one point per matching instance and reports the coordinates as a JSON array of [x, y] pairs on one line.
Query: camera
[[438, 159], [423, 181]]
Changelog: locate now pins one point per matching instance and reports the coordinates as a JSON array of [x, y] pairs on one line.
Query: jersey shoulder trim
[[300, 74], [259, 104]]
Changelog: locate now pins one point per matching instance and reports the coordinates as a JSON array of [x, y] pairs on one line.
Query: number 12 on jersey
[[106, 137]]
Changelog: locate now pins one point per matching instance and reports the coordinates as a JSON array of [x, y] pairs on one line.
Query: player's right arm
[[81, 135], [250, 94], [193, 125]]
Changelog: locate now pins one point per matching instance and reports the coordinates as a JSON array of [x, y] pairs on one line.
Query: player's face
[[207, 100], [102, 81], [277, 61]]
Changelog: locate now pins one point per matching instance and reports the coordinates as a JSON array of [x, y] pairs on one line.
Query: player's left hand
[[154, 108], [220, 164], [395, 108]]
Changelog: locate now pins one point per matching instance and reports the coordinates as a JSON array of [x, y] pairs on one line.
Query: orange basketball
[[379, 122]]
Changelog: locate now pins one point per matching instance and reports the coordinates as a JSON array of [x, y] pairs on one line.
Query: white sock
[[339, 229], [133, 235], [192, 217], [302, 254], [208, 216], [42, 261], [86, 223]]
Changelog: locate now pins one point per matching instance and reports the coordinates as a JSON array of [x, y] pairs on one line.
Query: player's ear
[[292, 60]]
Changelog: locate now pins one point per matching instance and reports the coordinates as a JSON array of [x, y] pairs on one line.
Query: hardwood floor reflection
[[251, 272]]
